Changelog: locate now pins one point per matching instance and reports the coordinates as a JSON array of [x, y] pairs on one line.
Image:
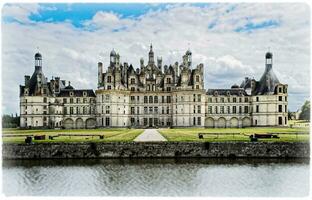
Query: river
[[156, 177]]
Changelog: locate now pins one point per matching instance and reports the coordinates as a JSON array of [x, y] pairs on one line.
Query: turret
[[151, 56], [100, 72], [268, 61], [113, 58]]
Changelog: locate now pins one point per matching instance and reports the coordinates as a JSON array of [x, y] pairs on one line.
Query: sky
[[229, 39]]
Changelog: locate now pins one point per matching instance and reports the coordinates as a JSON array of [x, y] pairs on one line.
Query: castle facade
[[152, 95]]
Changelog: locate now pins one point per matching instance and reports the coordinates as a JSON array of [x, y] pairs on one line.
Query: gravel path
[[150, 135]]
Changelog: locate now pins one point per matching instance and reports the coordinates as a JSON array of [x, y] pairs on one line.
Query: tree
[[305, 111], [9, 121]]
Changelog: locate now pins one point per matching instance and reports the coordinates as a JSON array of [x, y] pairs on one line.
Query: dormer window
[[71, 94], [228, 93], [168, 80], [197, 78], [84, 93], [132, 81], [215, 93]]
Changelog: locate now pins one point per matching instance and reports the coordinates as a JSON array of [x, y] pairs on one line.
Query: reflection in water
[[156, 177]]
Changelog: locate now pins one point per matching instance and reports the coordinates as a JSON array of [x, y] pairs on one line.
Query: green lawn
[[109, 135], [234, 134]]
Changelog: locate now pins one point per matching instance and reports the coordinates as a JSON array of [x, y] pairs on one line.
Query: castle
[[152, 95]]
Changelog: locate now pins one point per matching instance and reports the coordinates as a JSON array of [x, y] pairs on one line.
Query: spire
[[151, 47]]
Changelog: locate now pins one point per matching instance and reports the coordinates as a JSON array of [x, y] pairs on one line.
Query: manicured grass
[[109, 135], [234, 134]]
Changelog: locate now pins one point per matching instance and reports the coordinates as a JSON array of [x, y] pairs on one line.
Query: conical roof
[[267, 82]]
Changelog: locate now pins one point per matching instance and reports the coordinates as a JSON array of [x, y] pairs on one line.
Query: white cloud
[[228, 56], [20, 12]]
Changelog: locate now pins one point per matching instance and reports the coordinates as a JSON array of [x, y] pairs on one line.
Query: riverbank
[[156, 150]]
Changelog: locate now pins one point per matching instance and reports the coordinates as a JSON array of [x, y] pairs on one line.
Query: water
[[156, 177]]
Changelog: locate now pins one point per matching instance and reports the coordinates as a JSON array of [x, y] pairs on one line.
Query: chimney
[[27, 78], [100, 72]]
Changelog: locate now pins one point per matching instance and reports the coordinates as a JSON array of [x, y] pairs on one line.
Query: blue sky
[[229, 39]]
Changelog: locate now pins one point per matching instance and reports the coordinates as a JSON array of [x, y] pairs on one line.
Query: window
[[155, 99], [222, 100], [132, 81], [246, 99], [109, 79], [107, 109], [194, 120], [145, 99], [257, 108], [168, 99], [107, 97], [109, 87], [222, 109], [280, 109], [168, 80], [84, 100], [209, 109], [138, 110], [168, 110], [107, 121], [246, 109], [150, 110], [132, 121], [228, 109], [162, 99], [199, 121], [234, 109], [71, 110], [156, 110], [257, 98], [132, 88], [280, 98], [45, 99], [279, 89], [194, 97], [240, 109], [234, 99], [285, 98], [71, 100], [229, 99], [132, 111], [198, 109], [199, 97], [132, 98], [150, 99], [197, 78], [145, 121], [145, 110], [285, 108], [163, 110], [197, 87], [194, 110], [280, 121], [209, 100], [216, 110], [240, 99], [168, 89]]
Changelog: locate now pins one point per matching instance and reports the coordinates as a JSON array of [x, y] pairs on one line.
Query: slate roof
[[267, 83], [234, 91]]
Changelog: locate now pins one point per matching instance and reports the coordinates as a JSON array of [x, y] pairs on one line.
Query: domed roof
[[69, 87], [38, 56], [268, 55], [235, 86], [113, 53]]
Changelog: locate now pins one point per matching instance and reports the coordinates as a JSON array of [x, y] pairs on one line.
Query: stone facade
[[153, 95]]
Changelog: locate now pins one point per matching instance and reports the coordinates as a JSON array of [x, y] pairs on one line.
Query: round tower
[[38, 60]]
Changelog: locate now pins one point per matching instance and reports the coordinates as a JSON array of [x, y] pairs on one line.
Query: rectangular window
[[145, 121], [107, 109], [285, 108], [222, 100], [145, 99], [194, 97], [216, 109], [132, 99], [198, 109], [257, 99], [240, 109], [234, 99], [155, 99], [199, 98], [162, 99], [246, 109], [156, 110], [145, 110], [246, 99], [234, 110], [280, 98], [199, 121], [107, 121], [257, 108], [132, 111], [132, 81], [209, 109], [209, 100], [168, 99], [163, 110], [194, 121], [280, 109], [150, 110], [285, 98], [229, 109], [222, 109], [150, 99], [194, 109], [138, 110], [168, 111]]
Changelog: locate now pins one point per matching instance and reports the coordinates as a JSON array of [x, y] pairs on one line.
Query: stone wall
[[157, 149]]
